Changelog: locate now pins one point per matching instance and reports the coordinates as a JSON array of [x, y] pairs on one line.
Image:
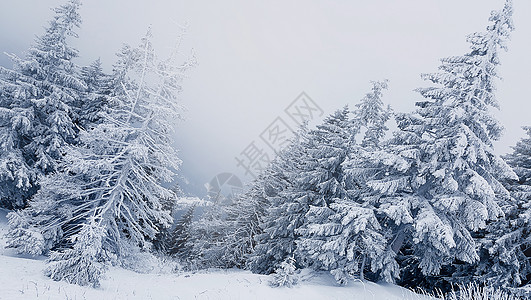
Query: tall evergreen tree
[[372, 114], [345, 236], [246, 215], [207, 237], [276, 240], [518, 238], [242, 222], [504, 261], [316, 182], [38, 108], [238, 227], [164, 238], [439, 180]]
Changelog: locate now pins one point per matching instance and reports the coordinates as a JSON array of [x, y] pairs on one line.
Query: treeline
[[85, 156], [430, 207]]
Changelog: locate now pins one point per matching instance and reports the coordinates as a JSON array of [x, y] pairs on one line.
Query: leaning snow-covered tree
[[439, 179], [112, 188], [39, 103]]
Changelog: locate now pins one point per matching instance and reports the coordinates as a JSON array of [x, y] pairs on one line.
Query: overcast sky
[[256, 57]]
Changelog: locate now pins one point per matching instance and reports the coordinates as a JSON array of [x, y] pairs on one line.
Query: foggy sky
[[255, 57]]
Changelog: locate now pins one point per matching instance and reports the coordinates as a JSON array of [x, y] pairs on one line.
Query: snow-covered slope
[[22, 278]]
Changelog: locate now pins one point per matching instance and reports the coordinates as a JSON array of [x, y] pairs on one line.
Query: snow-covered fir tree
[[520, 161], [276, 241], [96, 95], [242, 223], [345, 236], [207, 236], [113, 182], [439, 178], [315, 181], [517, 240], [177, 242], [372, 114], [319, 182], [163, 239], [504, 261], [237, 225], [86, 261], [39, 105], [504, 257], [246, 215]]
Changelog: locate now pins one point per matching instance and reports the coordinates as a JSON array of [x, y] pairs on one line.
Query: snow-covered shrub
[[285, 274], [142, 261]]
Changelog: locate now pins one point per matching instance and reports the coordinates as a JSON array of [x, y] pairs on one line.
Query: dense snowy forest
[[88, 168]]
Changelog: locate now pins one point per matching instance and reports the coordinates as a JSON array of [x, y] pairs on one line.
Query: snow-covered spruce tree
[[237, 224], [246, 214], [86, 261], [164, 238], [520, 161], [39, 101], [96, 95], [372, 114], [206, 239], [314, 179], [345, 236], [241, 224], [503, 259], [47, 219], [371, 235], [52, 216], [180, 235], [119, 169], [276, 240], [439, 179]]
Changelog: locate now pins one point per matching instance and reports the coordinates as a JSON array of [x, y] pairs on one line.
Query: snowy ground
[[21, 278]]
